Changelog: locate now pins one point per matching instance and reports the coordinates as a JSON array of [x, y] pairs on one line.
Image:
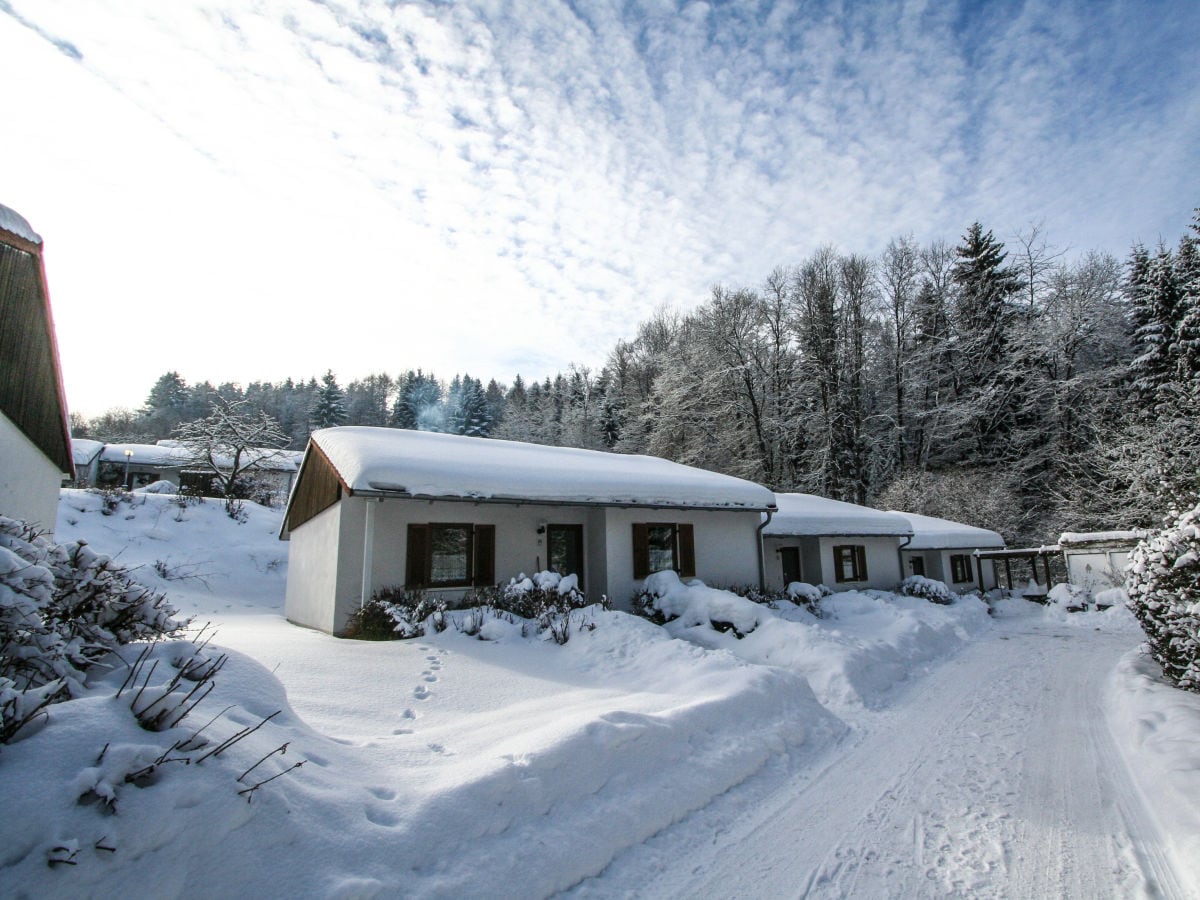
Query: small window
[[450, 555], [917, 564], [960, 568], [850, 562], [663, 546]]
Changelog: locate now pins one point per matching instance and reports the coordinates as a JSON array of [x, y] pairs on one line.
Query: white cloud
[[495, 188]]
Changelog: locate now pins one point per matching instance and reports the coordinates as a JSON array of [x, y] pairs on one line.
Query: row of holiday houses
[[372, 508], [378, 508]]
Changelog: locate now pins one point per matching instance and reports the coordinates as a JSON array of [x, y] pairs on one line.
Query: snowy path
[[995, 775]]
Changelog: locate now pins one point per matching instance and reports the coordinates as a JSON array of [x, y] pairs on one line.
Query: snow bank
[[1157, 728], [864, 644]]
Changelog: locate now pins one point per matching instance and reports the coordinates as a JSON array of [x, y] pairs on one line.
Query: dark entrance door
[[790, 557], [564, 549]]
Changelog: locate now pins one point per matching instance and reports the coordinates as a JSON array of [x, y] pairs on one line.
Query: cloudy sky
[[243, 190]]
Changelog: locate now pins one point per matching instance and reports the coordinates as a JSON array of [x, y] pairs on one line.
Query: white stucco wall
[[725, 541], [29, 481], [519, 547], [313, 570], [816, 561], [326, 558], [883, 562], [937, 567]]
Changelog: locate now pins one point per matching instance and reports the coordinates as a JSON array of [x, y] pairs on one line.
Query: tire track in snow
[[993, 776]]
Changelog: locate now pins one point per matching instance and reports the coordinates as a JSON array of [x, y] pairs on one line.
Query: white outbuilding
[[377, 508], [35, 442], [1096, 560], [841, 545]]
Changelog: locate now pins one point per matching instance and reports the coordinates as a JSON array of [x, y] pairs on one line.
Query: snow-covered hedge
[[1163, 582], [63, 608], [928, 589], [544, 598]]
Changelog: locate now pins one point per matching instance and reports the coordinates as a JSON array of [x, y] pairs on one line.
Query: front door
[[564, 550], [790, 558]]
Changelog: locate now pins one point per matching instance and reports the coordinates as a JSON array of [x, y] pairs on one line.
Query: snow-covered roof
[[425, 464], [83, 451], [168, 454], [14, 223], [932, 533], [1068, 538], [146, 455], [805, 515]]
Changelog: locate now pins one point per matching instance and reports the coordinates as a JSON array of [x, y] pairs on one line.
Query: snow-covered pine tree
[[982, 320], [419, 403], [329, 405], [1155, 300], [1163, 582], [1187, 279]]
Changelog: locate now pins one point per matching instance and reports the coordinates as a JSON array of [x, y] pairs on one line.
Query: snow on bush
[[664, 598], [928, 589], [1163, 581], [545, 599], [807, 595], [1071, 597], [63, 609], [1111, 597]]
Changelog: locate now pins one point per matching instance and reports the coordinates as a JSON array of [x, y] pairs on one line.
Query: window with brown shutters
[[850, 562], [960, 568], [450, 555], [664, 546]]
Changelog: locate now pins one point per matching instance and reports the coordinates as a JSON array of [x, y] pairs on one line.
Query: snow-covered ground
[[893, 748]]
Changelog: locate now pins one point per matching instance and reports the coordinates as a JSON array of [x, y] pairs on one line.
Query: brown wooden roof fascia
[[59, 452], [15, 240], [311, 452]]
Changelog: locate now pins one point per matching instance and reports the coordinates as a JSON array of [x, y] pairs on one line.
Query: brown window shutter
[[416, 559], [641, 550], [687, 550], [861, 551], [485, 555]]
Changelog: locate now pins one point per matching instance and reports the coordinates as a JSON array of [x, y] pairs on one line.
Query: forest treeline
[[1007, 387]]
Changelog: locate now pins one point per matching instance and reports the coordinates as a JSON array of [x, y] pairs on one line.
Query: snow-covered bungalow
[[1096, 560], [137, 465], [841, 545], [35, 441], [383, 507], [85, 453], [945, 550]]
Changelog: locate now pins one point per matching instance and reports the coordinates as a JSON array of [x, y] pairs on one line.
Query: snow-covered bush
[[63, 608], [664, 598], [807, 595], [395, 614], [546, 597], [1071, 597], [928, 589], [1163, 582]]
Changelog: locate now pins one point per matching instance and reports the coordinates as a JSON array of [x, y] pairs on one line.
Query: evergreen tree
[[1157, 314], [168, 404], [467, 408], [329, 406], [418, 405]]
